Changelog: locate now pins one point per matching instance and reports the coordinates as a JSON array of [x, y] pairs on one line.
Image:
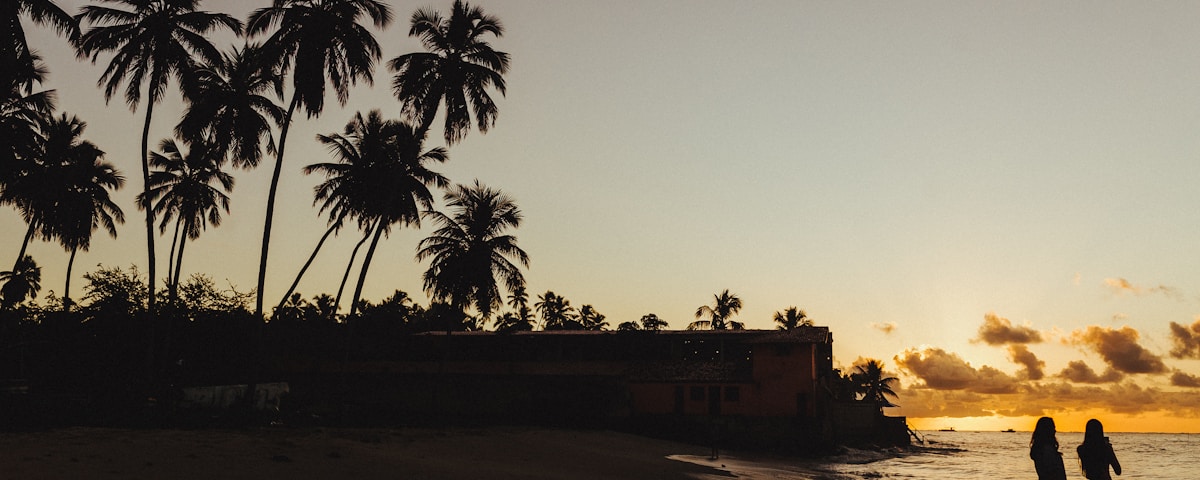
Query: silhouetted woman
[[1043, 449], [1096, 453]]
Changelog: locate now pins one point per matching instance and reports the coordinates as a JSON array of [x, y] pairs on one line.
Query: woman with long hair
[[1096, 453], [1043, 449]]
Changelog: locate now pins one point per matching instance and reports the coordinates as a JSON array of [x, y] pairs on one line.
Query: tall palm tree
[[153, 42], [315, 40], [15, 54], [23, 281], [22, 115], [188, 188], [380, 177], [873, 383], [457, 70], [792, 318], [725, 305], [228, 108], [81, 184], [471, 253]]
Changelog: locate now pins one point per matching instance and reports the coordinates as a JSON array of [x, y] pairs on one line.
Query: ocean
[[984, 455], [1005, 455]]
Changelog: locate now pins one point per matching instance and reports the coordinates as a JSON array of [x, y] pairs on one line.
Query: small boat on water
[[947, 429], [1008, 430]]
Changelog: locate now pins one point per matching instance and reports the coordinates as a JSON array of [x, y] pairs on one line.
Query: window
[[697, 394], [732, 394]]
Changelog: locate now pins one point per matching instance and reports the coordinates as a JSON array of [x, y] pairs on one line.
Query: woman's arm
[[1116, 465]]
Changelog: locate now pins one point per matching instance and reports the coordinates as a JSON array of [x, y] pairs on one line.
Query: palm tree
[[471, 253], [152, 43], [15, 54], [871, 382], [227, 106], [380, 178], [315, 40], [457, 70], [23, 281], [792, 318], [80, 186], [591, 319], [725, 305], [22, 116], [556, 312], [651, 321], [188, 188]]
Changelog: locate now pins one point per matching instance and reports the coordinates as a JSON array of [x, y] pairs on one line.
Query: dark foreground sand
[[328, 453]]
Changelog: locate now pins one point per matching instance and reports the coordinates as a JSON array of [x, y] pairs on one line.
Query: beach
[[321, 453]]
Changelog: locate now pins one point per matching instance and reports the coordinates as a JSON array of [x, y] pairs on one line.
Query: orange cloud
[[997, 330], [1119, 349], [941, 370], [1079, 372], [886, 328], [1021, 355], [1186, 340], [1181, 379], [1121, 286]]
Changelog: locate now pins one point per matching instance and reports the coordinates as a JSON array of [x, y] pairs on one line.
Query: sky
[[996, 199]]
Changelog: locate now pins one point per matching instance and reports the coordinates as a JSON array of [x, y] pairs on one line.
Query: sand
[[324, 453]]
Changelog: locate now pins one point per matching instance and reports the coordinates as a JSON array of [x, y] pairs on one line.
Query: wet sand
[[323, 453]]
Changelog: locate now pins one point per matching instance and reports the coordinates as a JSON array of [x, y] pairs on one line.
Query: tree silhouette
[[471, 253], [23, 281], [792, 318], [725, 305], [872, 382], [556, 312], [380, 175], [227, 106], [152, 43], [189, 188], [15, 54], [457, 70], [21, 115], [315, 40], [79, 182], [591, 319]]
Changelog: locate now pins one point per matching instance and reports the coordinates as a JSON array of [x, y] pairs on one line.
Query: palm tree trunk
[[346, 276], [174, 244], [147, 206], [25, 244], [291, 289], [178, 268], [266, 242], [362, 275], [66, 300]]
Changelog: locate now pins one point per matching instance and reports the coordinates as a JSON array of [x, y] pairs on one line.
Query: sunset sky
[[1000, 200]]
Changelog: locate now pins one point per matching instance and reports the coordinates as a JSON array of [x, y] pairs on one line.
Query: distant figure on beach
[[1043, 449], [1096, 453], [714, 439]]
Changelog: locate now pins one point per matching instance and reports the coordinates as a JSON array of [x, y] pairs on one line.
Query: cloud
[[941, 370], [1080, 372], [1119, 348], [886, 328], [1034, 368], [1181, 379], [997, 330], [1186, 340], [1121, 286]]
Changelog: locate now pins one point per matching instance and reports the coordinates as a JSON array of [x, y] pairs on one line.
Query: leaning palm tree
[[228, 107], [871, 381], [23, 281], [15, 54], [792, 318], [81, 185], [188, 188], [380, 177], [471, 253], [152, 43], [315, 40], [457, 70], [725, 305]]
